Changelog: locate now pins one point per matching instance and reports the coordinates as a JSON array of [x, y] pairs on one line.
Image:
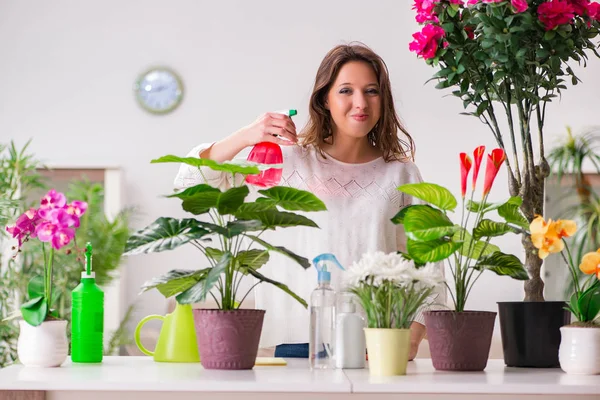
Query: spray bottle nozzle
[[320, 263], [88, 262]]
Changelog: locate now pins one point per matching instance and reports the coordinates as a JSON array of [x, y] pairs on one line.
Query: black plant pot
[[531, 332]]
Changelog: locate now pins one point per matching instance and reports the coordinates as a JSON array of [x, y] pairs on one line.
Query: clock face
[[159, 90]]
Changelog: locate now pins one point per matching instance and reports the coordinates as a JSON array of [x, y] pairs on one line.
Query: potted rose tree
[[228, 337], [579, 351], [390, 289], [461, 339], [43, 338], [506, 60]]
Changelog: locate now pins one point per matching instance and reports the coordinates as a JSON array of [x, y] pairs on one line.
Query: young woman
[[349, 155]]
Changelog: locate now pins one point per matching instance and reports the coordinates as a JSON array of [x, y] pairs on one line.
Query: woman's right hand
[[269, 127]]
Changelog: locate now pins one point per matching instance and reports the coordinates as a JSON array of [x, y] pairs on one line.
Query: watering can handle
[[138, 329]]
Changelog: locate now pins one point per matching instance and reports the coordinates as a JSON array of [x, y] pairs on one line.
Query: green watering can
[[177, 340]]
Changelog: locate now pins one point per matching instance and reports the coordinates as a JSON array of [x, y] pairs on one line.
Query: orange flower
[[547, 236], [590, 264]]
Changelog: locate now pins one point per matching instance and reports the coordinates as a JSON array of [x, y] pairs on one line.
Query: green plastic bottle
[[87, 316]]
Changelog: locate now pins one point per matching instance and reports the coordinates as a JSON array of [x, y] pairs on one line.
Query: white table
[[120, 378]]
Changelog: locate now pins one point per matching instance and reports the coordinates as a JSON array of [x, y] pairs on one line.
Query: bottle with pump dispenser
[[322, 315], [350, 346], [87, 316], [268, 153]]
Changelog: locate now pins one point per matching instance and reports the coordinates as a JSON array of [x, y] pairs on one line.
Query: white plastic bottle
[[322, 316], [350, 346]]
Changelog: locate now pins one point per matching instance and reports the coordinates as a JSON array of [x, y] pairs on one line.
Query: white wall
[[67, 69]]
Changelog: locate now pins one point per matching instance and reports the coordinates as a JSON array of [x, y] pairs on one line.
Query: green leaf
[[35, 311], [213, 253], [200, 290], [589, 302], [280, 285], [423, 222], [273, 218], [476, 250], [476, 206], [237, 227], [431, 193], [431, 251], [253, 259], [489, 228], [35, 288], [164, 234], [299, 259], [549, 35], [292, 199], [175, 281], [399, 217], [193, 190], [203, 162], [512, 215], [230, 201], [256, 207], [503, 264]]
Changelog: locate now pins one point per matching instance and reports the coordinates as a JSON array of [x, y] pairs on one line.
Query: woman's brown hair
[[384, 134]]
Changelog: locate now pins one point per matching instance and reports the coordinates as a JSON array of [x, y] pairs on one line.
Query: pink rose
[[555, 13], [427, 41]]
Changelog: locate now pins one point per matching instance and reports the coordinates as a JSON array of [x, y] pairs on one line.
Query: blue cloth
[[292, 350]]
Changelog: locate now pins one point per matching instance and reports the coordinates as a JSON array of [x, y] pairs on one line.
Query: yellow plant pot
[[388, 351]]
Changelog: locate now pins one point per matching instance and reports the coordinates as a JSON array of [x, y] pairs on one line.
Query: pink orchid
[[427, 41], [53, 199], [555, 13], [24, 226], [519, 5], [62, 237], [45, 231]]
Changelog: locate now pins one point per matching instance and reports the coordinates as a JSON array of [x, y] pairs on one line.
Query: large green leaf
[[431, 251], [35, 311], [36, 288], [426, 223], [201, 201], [476, 206], [280, 285], [256, 207], [237, 168], [274, 218], [512, 215], [489, 228], [253, 259], [503, 264], [291, 199], [230, 201], [431, 193], [194, 190], [589, 302], [200, 290], [476, 250], [399, 217], [175, 281], [164, 234], [299, 259], [237, 227]]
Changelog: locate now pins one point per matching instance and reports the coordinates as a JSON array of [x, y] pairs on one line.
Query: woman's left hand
[[417, 333]]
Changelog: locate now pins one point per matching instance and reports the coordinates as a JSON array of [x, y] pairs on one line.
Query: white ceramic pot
[[579, 351], [43, 346]]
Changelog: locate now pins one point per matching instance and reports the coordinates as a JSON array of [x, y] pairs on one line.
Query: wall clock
[[159, 90]]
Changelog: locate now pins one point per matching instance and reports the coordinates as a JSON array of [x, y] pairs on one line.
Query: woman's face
[[354, 100]]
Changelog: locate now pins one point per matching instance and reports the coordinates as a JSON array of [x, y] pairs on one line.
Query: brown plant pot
[[459, 341], [228, 339]]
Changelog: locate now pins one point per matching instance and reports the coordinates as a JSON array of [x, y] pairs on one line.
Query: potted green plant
[[390, 289], [461, 339], [43, 337], [506, 60], [227, 337], [579, 351]]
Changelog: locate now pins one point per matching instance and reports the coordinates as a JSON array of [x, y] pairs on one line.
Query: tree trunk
[[532, 193]]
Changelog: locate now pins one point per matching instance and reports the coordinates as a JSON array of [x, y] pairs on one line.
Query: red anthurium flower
[[266, 153], [477, 156], [494, 162], [465, 167]]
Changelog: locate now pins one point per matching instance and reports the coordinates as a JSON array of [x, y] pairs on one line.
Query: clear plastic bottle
[[322, 316]]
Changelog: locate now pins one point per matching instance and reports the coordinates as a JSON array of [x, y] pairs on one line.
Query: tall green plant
[[226, 241], [506, 60]]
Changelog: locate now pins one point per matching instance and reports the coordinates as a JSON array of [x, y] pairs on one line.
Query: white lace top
[[360, 198]]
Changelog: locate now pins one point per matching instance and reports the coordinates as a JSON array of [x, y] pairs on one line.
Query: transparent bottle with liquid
[[322, 316]]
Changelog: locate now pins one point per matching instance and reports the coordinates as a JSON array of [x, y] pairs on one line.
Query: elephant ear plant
[[432, 237], [228, 241]]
